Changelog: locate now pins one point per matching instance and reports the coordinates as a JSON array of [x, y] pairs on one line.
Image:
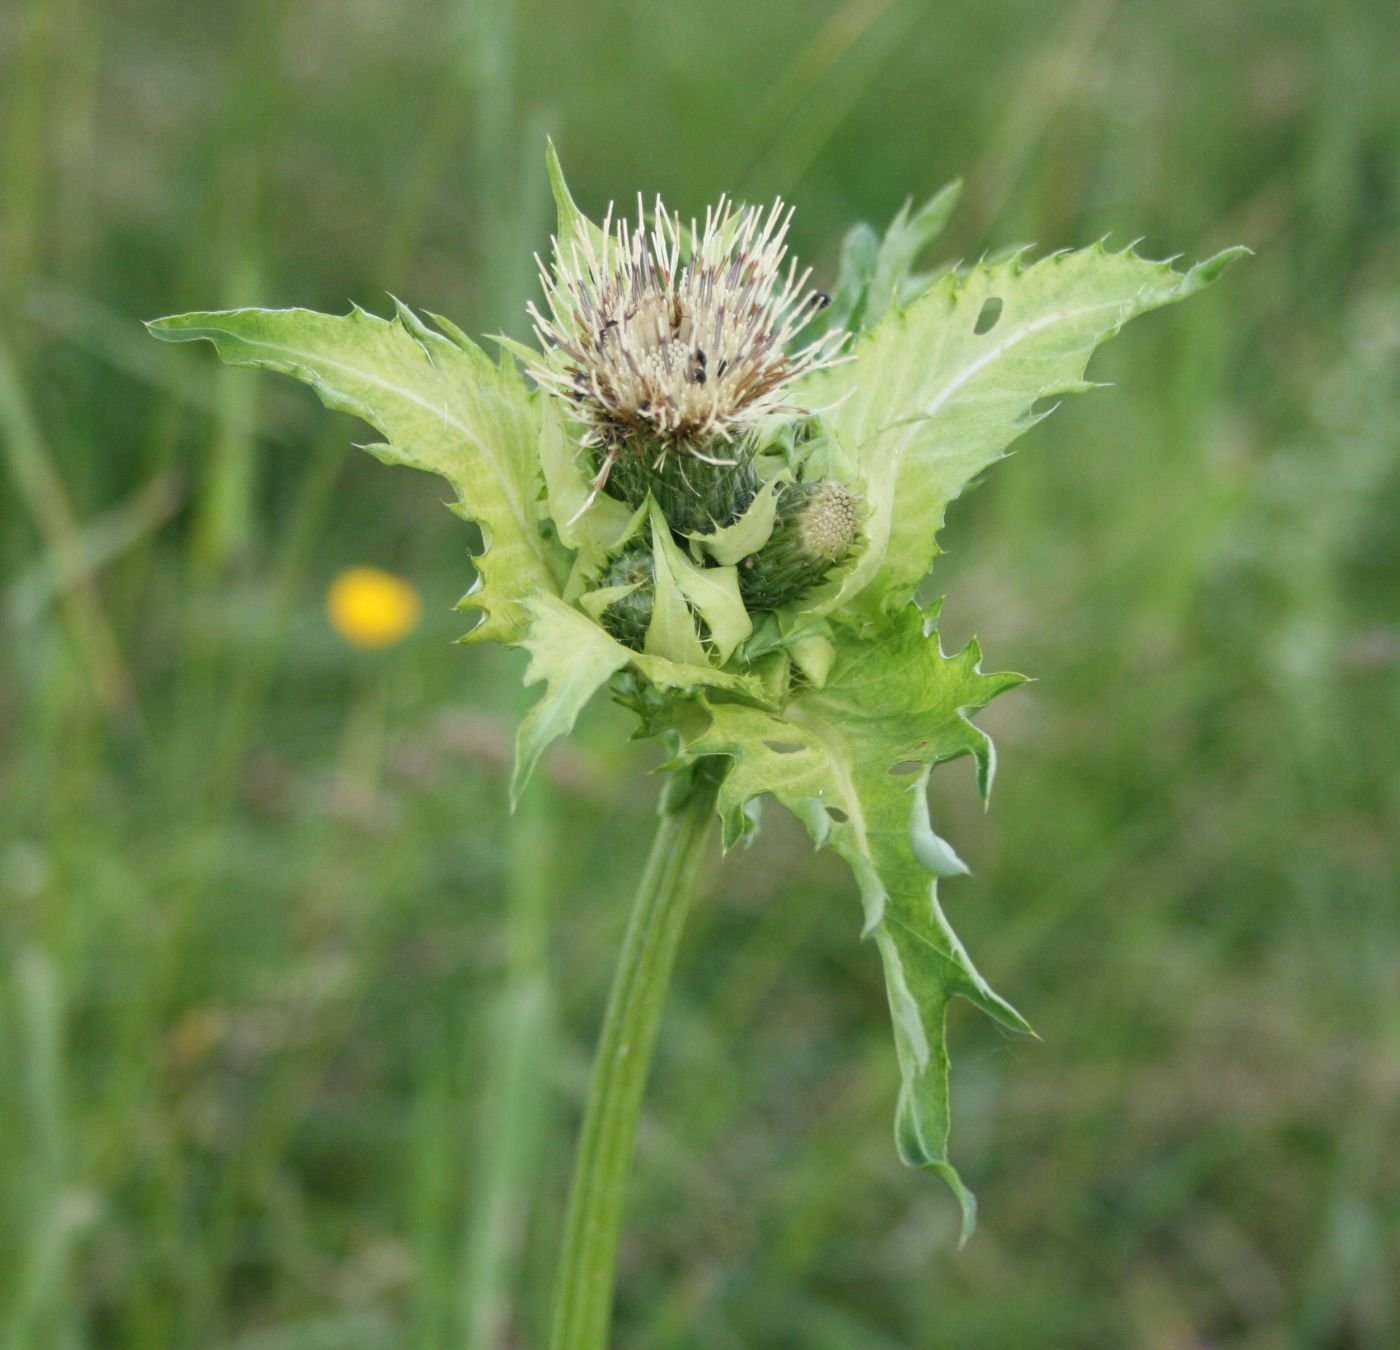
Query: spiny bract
[[670, 340]]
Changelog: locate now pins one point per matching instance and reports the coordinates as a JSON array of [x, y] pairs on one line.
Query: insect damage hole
[[988, 315], [784, 747]]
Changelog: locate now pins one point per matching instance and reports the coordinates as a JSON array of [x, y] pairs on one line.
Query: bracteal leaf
[[587, 520], [712, 592], [574, 226], [851, 760], [907, 237], [731, 544], [859, 251], [672, 633], [938, 391], [876, 272], [441, 404], [574, 657]]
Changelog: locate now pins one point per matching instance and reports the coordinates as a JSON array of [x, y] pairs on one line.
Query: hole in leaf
[[783, 747], [904, 768], [988, 316], [837, 814]]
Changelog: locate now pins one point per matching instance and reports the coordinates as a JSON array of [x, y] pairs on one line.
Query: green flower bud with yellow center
[[816, 527]]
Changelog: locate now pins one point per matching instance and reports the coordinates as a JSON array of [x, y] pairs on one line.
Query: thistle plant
[[713, 489]]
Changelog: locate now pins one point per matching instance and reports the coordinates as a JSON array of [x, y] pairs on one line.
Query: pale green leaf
[[574, 226], [935, 853], [730, 544], [908, 237], [813, 654], [671, 635], [684, 679], [574, 657], [895, 705], [527, 356], [713, 592], [930, 401], [593, 603], [876, 272], [859, 251], [440, 403], [587, 520]]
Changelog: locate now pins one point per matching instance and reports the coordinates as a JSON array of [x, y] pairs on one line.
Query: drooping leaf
[[851, 760], [937, 391], [441, 404]]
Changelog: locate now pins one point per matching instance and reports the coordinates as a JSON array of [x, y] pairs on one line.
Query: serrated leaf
[[574, 657], [875, 271], [859, 251], [908, 237], [441, 404], [713, 592], [930, 401], [851, 760]]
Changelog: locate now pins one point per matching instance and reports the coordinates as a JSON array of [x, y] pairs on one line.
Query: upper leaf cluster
[[838, 702]]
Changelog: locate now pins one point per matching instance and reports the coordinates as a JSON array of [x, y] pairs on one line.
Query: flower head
[[673, 340], [372, 608], [828, 521]]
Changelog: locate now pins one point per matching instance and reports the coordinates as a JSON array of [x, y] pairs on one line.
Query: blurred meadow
[[295, 1022]]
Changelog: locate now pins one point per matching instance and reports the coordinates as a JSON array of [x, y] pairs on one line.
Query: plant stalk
[[588, 1263]]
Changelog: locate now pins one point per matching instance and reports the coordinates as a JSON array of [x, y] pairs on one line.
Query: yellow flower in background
[[372, 608]]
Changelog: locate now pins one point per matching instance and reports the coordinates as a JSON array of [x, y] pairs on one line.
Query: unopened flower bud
[[817, 526], [628, 618]]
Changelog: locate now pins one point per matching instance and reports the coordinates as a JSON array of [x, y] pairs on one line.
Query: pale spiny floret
[[829, 522], [661, 354]]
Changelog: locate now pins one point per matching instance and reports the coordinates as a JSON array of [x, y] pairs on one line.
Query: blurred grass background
[[295, 1024]]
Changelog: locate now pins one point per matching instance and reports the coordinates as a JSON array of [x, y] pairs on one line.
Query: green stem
[[587, 1268]]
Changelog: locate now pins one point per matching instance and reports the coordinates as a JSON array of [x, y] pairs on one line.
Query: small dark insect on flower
[[674, 340]]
